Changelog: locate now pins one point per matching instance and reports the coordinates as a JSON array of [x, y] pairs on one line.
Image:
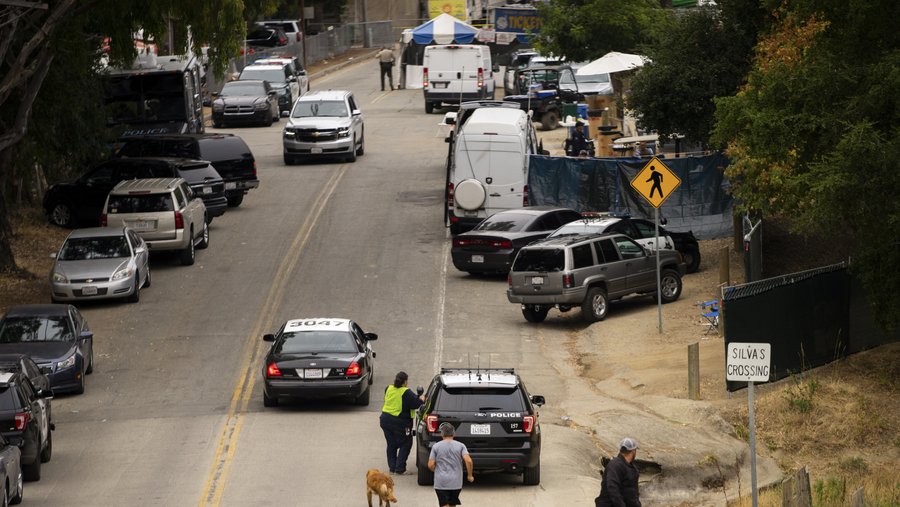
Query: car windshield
[[106, 247], [592, 78], [540, 259], [505, 222], [35, 329], [315, 342], [576, 228], [271, 75], [239, 89], [311, 108]]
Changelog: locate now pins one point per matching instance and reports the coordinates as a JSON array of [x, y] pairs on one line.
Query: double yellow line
[[240, 397]]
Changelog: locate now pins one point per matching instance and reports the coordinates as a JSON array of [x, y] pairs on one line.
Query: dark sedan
[[57, 337], [245, 101], [319, 358], [267, 37], [493, 244]]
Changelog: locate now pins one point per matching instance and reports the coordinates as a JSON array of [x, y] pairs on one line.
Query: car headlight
[[262, 106], [126, 272], [343, 132], [218, 107], [59, 277], [289, 133], [66, 363]]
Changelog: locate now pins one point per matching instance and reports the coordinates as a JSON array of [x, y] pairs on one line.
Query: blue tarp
[[444, 29], [701, 203]]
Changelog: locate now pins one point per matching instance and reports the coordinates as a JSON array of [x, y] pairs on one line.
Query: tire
[[691, 255], [47, 452], [187, 254], [425, 477], [80, 388], [61, 214], [429, 107], [363, 399], [670, 285], [550, 120], [204, 237], [218, 124], [269, 402], [595, 306], [289, 160], [136, 295], [235, 200], [147, 281], [351, 157], [532, 475], [270, 118], [20, 491], [535, 313], [90, 368], [362, 146], [32, 472]]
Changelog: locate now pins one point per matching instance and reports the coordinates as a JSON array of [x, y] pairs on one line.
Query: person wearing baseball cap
[[578, 141], [619, 486]]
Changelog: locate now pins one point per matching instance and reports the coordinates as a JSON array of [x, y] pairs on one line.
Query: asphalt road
[[173, 413]]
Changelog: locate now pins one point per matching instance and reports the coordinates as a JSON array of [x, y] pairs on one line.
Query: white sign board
[[748, 362]]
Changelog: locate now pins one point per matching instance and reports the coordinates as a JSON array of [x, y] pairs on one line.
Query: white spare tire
[[469, 194]]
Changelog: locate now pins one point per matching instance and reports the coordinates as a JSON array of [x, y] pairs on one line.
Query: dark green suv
[[589, 271]]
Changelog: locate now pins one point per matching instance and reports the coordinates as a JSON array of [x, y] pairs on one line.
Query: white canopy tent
[[613, 62]]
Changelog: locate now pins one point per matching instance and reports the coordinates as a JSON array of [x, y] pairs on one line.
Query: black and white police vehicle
[[493, 415]]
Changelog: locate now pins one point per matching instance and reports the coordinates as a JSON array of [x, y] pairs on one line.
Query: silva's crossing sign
[[655, 182], [748, 362]]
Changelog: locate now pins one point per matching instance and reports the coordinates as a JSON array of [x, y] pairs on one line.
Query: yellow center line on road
[[376, 99], [240, 396]]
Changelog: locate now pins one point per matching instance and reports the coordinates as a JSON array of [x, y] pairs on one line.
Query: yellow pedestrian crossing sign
[[655, 182]]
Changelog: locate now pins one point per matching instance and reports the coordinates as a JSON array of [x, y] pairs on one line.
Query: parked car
[[294, 65], [26, 421], [280, 77], [267, 37], [228, 154], [57, 337], [165, 212], [245, 102], [324, 122], [518, 60], [455, 73], [492, 413], [588, 271], [291, 27], [30, 369], [100, 263], [11, 474], [493, 244], [544, 90]]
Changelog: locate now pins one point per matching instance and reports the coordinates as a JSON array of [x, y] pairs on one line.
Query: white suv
[[324, 122]]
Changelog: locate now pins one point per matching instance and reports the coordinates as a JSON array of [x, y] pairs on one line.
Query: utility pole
[[303, 25]]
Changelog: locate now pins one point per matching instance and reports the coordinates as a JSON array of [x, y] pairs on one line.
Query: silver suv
[[588, 271], [324, 122], [165, 212]]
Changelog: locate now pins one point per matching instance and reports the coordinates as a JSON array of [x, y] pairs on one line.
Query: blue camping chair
[[710, 311]]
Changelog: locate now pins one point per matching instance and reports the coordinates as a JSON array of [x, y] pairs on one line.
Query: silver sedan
[[100, 263]]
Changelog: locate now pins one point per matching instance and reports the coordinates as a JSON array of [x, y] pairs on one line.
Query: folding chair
[[710, 312]]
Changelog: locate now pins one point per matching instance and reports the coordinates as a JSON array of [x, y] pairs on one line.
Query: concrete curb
[[343, 64]]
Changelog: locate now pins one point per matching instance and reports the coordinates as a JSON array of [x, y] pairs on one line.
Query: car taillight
[[282, 41], [568, 281], [353, 370], [450, 199], [179, 220], [425, 78], [459, 242], [103, 220], [254, 168], [502, 244], [525, 196], [529, 423], [22, 420], [298, 36], [272, 370], [509, 279], [431, 423], [480, 77]]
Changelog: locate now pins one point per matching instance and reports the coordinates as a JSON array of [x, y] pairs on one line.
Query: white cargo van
[[489, 172], [455, 73]]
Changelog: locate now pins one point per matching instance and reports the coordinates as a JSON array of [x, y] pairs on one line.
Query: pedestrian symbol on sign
[[656, 177], [655, 182]]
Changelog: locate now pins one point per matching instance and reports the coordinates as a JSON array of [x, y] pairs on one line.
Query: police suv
[[492, 414]]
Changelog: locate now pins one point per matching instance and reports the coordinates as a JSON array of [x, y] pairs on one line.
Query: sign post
[[749, 362], [656, 182]]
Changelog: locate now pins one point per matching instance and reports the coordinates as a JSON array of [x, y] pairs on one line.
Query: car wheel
[[363, 399], [90, 368], [362, 146], [550, 120], [289, 160], [691, 255], [235, 200], [269, 402], [187, 255], [47, 453], [532, 475], [425, 476], [4, 502], [429, 107], [351, 157], [136, 294], [218, 124], [535, 313], [270, 118], [670, 285], [61, 214], [204, 237], [20, 491], [595, 306], [147, 281], [32, 472]]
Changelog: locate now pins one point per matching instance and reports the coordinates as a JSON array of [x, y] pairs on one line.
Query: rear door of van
[[454, 69], [498, 162]]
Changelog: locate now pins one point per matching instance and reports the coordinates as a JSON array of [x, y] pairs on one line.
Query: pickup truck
[[228, 154], [543, 90]]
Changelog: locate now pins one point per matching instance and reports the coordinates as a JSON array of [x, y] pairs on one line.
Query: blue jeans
[[399, 443]]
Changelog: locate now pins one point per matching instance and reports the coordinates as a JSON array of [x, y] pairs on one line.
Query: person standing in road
[[619, 486], [396, 421], [386, 60], [446, 461]]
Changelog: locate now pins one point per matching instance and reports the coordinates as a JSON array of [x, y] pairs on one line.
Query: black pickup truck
[[228, 153], [543, 90]]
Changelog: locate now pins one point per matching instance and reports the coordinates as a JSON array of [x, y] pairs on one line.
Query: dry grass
[[33, 241]]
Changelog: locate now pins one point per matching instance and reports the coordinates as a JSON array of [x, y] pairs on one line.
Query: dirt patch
[[33, 241]]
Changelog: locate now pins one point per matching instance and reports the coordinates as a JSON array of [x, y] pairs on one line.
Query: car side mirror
[[269, 337], [356, 112], [371, 336], [52, 255], [47, 394], [538, 400], [140, 249], [86, 335]]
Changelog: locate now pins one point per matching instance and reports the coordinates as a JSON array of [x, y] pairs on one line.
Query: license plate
[[537, 280], [89, 290], [478, 259], [207, 190], [313, 373], [480, 429], [142, 225], [471, 213], [440, 85], [315, 150], [230, 186]]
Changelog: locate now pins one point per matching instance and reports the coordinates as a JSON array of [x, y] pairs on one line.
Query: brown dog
[[382, 485]]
